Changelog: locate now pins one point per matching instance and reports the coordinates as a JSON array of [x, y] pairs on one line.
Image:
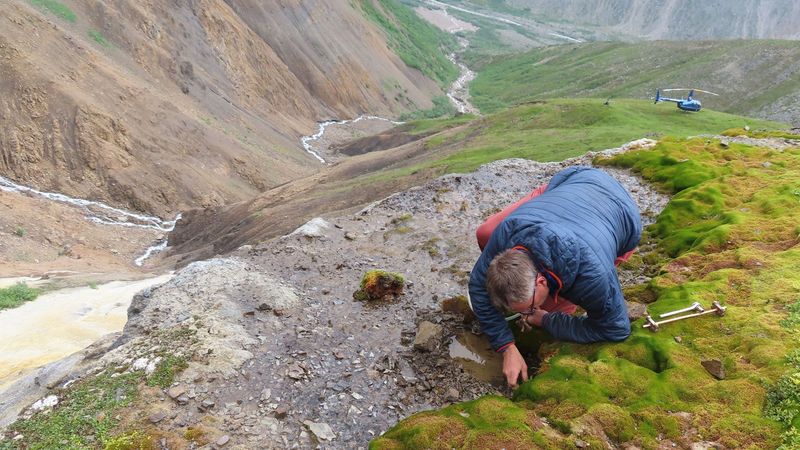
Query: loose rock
[[322, 431], [715, 368], [428, 337], [281, 411], [636, 310]]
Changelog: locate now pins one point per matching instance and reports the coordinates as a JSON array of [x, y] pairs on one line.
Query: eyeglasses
[[532, 308]]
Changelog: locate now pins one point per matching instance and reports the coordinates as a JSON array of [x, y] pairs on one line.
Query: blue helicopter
[[688, 104]]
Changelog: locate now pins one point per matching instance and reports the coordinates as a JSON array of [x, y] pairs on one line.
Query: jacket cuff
[[504, 347]]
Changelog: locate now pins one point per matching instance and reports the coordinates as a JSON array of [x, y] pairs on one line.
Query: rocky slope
[[280, 354], [674, 19], [157, 107]]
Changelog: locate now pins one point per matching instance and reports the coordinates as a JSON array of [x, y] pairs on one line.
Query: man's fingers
[[512, 380]]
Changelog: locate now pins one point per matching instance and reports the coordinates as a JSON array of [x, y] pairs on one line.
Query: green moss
[[616, 422], [716, 241], [134, 440], [379, 285], [99, 38]]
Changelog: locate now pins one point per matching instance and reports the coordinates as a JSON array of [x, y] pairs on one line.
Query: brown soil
[[39, 236]]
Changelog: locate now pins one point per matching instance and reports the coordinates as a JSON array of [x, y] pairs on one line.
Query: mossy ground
[[729, 234]]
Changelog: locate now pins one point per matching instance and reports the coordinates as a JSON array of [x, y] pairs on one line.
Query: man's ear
[[540, 280]]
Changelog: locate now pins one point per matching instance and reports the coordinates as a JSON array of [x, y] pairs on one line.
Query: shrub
[[16, 295]]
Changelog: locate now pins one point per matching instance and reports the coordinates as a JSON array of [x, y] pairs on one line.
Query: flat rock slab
[[322, 431]]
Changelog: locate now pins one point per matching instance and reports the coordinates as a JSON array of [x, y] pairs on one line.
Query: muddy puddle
[[60, 323], [477, 358]]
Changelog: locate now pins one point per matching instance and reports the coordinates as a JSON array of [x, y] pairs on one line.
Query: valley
[[195, 191]]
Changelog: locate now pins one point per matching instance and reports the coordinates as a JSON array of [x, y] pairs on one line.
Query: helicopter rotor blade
[[696, 90], [706, 92]]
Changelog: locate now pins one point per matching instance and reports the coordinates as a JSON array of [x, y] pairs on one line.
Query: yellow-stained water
[[63, 322]]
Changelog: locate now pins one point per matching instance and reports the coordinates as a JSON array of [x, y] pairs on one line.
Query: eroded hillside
[[160, 106]]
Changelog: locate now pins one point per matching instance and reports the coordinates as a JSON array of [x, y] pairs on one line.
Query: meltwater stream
[[307, 140], [103, 214]]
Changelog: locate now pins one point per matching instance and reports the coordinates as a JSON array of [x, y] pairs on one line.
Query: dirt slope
[[159, 106]]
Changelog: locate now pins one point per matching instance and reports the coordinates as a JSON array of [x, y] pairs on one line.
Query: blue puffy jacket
[[575, 229]]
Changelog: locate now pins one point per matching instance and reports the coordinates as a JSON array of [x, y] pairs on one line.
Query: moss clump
[[380, 285], [425, 430], [196, 435], [616, 422], [135, 440], [56, 8]]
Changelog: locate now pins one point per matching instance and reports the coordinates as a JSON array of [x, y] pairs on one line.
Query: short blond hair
[[511, 279]]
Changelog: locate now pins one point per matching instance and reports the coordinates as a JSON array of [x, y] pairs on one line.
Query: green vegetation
[[165, 372], [622, 70], [95, 412], [442, 106], [99, 38], [540, 130], [84, 415], [419, 44], [20, 232], [56, 8], [16, 295], [729, 234]]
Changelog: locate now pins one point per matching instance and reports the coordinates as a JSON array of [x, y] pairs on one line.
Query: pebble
[[206, 404], [223, 440], [157, 417], [281, 411], [176, 391]]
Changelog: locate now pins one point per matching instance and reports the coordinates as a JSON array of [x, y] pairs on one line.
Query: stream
[[306, 141], [103, 214], [459, 90]]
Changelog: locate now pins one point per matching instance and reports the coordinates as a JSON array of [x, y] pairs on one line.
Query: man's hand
[[535, 318], [514, 366]]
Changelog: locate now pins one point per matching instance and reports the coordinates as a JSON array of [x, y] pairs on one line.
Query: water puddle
[[63, 322], [476, 356]]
